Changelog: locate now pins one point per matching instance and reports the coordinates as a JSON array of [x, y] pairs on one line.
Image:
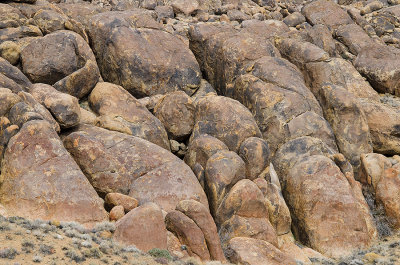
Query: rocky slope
[[252, 132]]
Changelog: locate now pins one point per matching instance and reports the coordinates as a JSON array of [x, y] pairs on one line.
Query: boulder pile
[[252, 132]]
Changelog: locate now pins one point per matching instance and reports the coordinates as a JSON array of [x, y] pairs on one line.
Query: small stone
[[127, 202], [117, 213], [10, 51]]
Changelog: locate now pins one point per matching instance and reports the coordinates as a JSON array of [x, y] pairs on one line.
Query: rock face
[[36, 165], [343, 227], [380, 65], [116, 162], [65, 108], [142, 59], [120, 111], [256, 252], [225, 119], [142, 227], [73, 66], [176, 112]]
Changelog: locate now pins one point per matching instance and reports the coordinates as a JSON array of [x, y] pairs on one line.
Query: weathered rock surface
[[225, 119], [120, 111], [116, 162], [128, 203], [64, 107], [176, 112], [41, 180], [133, 53], [255, 153], [203, 219], [142, 227], [223, 170], [188, 233], [379, 64], [256, 252], [62, 59]]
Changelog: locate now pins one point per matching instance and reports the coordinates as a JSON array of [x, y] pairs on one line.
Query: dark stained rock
[[223, 170], [321, 36], [225, 119], [13, 34], [41, 180], [203, 219], [256, 252], [327, 13], [39, 109], [142, 227], [176, 112], [279, 214], [64, 107], [133, 53], [354, 37], [49, 20], [380, 65], [341, 73], [348, 121], [12, 78], [201, 148], [10, 17], [188, 233], [73, 66], [255, 153], [120, 111], [294, 19], [281, 114], [384, 126]]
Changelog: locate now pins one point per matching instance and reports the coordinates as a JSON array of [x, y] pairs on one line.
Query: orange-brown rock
[[142, 227], [223, 170], [203, 219], [201, 148], [387, 194], [116, 213], [255, 154], [112, 102], [175, 246], [250, 227], [176, 112], [41, 180], [132, 52], [188, 233], [7, 100], [243, 250], [116, 162], [279, 214], [336, 225], [225, 119], [127, 202]]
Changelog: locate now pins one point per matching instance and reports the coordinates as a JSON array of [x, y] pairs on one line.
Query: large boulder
[[133, 53], [225, 119], [62, 59], [337, 224], [116, 162], [120, 111], [222, 171], [142, 227], [203, 219], [255, 153], [380, 65], [348, 121], [243, 250], [327, 13], [188, 233], [201, 148], [39, 179], [176, 112]]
